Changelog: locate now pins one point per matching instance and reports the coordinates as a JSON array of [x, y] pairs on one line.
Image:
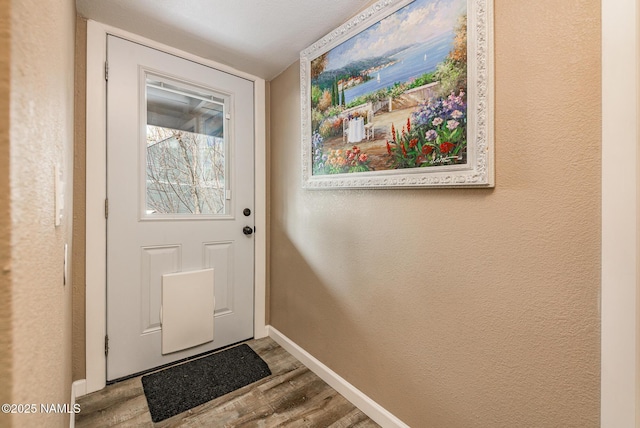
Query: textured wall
[[79, 200], [461, 308], [5, 213], [41, 129]]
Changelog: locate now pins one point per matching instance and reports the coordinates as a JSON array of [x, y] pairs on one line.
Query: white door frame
[[620, 215], [96, 238]]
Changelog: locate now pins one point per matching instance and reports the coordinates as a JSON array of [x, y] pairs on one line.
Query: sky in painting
[[415, 23]]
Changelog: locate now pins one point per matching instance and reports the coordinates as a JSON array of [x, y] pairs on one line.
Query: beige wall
[[5, 213], [41, 136], [79, 201], [462, 308]]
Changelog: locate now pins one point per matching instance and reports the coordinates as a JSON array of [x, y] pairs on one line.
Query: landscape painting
[[391, 98]]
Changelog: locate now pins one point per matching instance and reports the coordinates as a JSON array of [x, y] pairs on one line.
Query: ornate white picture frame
[[401, 96]]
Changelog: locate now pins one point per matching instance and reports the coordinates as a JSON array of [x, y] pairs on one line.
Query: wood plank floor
[[292, 396]]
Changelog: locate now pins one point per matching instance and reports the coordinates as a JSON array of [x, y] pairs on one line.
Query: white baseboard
[[369, 407], [78, 389]]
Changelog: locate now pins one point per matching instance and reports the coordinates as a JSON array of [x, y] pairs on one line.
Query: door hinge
[[106, 71], [106, 208], [106, 345]]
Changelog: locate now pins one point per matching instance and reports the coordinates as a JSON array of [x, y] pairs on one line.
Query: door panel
[[155, 261], [179, 174], [220, 255]]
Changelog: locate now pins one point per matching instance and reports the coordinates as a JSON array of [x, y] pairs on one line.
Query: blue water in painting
[[412, 62]]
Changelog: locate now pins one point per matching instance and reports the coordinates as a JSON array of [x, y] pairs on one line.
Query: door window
[[185, 150]]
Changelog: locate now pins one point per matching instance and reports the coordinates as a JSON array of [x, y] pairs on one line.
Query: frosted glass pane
[[185, 151]]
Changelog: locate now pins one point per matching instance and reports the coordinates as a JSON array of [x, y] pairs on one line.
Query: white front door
[[180, 199]]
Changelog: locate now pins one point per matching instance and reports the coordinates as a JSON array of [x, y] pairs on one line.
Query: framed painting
[[401, 95]]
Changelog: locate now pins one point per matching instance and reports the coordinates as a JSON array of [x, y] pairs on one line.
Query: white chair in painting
[[369, 127]]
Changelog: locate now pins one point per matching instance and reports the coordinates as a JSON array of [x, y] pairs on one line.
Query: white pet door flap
[[187, 309]]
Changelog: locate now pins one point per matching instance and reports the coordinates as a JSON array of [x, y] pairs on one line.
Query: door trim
[[620, 293], [96, 238]]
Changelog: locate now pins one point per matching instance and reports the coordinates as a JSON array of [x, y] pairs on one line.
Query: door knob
[[247, 230]]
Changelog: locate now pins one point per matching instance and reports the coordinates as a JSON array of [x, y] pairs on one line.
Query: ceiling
[[260, 37]]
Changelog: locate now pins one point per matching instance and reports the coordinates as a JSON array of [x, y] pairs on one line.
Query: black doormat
[[183, 387]]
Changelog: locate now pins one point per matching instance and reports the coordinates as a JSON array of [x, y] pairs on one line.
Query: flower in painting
[[431, 135], [413, 143], [427, 150], [409, 125], [452, 124], [434, 111], [446, 147], [318, 157], [388, 148], [339, 161], [404, 149], [317, 139], [456, 114]]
